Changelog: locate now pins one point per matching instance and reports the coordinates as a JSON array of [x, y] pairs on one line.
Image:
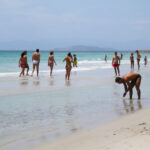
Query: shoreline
[[129, 132]]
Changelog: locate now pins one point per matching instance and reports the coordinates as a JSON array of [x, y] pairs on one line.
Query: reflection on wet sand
[[74, 72], [51, 82], [67, 83], [131, 106], [69, 110], [24, 82], [36, 82]]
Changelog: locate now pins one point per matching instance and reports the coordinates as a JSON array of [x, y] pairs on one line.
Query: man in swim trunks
[[138, 59], [145, 61], [116, 63], [132, 61], [36, 61], [129, 81]]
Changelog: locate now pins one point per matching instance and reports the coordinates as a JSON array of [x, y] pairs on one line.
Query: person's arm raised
[[64, 59]]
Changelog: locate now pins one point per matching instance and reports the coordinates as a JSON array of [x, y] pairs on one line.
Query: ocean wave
[[46, 72], [84, 65]]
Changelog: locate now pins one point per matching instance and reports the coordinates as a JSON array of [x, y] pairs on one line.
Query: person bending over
[[129, 81]]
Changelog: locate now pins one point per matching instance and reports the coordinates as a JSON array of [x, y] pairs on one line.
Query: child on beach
[[68, 60], [74, 61], [145, 61], [51, 62], [36, 61], [116, 63], [132, 61]]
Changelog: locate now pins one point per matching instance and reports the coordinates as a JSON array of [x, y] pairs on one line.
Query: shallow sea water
[[37, 110]]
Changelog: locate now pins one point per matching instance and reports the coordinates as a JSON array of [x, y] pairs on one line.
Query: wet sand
[[35, 110], [131, 132]]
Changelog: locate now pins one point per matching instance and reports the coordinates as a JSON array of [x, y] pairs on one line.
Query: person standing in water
[[22, 63], [138, 59], [68, 60], [51, 62], [74, 61], [116, 63], [121, 56], [26, 63], [36, 61], [145, 61], [132, 61], [105, 58], [129, 81]]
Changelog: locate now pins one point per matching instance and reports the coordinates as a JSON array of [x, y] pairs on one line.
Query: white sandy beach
[[131, 132]]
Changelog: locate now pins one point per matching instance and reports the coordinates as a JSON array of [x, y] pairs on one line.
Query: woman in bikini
[[132, 61], [51, 62], [22, 62], [68, 60], [138, 59]]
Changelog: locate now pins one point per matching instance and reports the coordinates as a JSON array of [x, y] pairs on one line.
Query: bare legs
[[51, 69], [117, 70], [68, 70], [37, 69], [27, 71], [132, 65], [22, 72], [138, 82], [138, 63]]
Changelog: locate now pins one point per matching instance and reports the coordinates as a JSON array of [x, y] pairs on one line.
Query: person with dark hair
[[68, 60], [116, 63], [145, 61], [138, 59], [36, 61], [51, 62], [105, 58], [22, 62], [129, 81], [26, 63], [132, 61], [74, 61]]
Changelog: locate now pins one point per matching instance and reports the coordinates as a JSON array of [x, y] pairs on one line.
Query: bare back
[[68, 61], [130, 76], [36, 56], [138, 56]]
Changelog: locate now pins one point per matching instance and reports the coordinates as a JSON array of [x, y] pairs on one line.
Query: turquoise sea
[[34, 110]]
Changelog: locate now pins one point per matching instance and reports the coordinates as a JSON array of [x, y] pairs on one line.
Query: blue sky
[[46, 24]]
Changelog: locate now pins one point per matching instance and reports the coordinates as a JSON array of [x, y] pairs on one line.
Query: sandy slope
[[131, 132]]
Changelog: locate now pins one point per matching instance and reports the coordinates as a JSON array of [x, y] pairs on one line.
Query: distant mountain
[[84, 48]]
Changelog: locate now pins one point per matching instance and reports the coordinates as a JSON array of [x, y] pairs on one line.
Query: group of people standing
[[23, 63], [116, 61], [129, 80]]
